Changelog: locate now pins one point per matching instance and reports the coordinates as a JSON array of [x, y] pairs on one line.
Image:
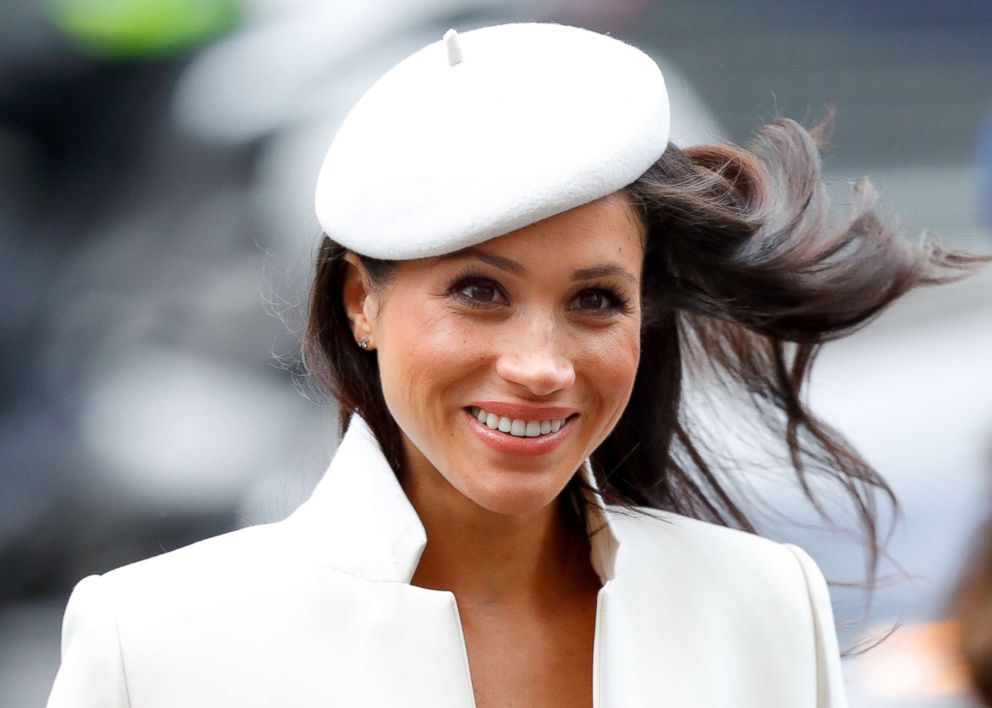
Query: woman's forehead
[[601, 250], [605, 227]]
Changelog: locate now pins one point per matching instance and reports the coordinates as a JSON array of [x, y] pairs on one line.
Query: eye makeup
[[471, 276]]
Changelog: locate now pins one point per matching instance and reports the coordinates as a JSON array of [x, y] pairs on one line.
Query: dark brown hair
[[971, 608], [745, 276]]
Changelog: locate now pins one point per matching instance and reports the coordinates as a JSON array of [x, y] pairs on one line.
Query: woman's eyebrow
[[601, 271], [501, 262], [512, 266]]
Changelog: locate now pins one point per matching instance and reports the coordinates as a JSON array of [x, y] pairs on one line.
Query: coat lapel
[[359, 521], [358, 518], [399, 644]]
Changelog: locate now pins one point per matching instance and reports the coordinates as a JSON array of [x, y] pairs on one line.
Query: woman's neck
[[496, 560]]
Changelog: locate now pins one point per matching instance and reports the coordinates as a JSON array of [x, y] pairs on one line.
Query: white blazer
[[318, 610]]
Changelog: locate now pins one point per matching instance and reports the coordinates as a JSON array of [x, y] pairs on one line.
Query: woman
[[517, 265]]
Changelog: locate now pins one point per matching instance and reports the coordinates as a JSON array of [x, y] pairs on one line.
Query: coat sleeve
[[92, 672], [829, 683]]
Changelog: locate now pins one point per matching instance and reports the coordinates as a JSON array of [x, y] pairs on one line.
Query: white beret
[[485, 132]]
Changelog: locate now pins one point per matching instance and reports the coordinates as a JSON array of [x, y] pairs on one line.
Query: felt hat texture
[[487, 131]]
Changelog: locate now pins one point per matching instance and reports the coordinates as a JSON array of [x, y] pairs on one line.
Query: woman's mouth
[[517, 427], [518, 436]]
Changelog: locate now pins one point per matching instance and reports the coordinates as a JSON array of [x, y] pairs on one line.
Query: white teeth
[[517, 426]]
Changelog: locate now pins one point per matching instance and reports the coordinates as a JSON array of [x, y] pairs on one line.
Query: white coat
[[317, 610]]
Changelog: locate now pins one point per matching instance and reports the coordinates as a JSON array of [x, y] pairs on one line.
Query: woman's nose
[[535, 359]]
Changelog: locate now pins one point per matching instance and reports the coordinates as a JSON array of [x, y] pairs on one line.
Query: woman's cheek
[[610, 365], [617, 354], [437, 350]]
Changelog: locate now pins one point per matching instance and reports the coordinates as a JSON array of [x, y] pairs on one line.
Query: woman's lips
[[505, 442], [527, 411]]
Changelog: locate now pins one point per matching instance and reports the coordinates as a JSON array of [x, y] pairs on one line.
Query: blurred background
[[157, 162]]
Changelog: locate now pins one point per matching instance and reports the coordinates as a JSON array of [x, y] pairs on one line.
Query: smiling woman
[[524, 338], [518, 512]]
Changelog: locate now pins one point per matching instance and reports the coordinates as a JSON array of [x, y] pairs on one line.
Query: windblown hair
[[745, 276]]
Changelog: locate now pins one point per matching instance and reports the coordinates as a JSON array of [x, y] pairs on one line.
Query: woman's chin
[[513, 496]]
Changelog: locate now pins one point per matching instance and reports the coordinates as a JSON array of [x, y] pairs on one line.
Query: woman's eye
[[479, 291], [594, 300]]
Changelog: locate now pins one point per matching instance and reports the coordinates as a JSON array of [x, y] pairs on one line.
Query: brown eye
[[593, 300], [478, 292], [483, 292]]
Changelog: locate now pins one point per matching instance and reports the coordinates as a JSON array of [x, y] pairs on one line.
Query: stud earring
[[364, 343]]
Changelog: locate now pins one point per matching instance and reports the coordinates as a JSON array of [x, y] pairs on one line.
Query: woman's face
[[506, 364]]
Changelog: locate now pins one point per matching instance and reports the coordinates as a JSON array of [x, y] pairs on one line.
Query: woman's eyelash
[[620, 303], [469, 276], [617, 302]]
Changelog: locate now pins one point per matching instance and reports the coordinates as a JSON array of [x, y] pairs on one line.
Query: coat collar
[[359, 520]]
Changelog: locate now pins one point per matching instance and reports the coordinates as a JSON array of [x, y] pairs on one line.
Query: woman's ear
[[357, 300]]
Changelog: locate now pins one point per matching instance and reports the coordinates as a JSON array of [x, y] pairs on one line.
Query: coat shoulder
[[709, 552], [656, 527], [231, 550], [759, 607], [253, 561]]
